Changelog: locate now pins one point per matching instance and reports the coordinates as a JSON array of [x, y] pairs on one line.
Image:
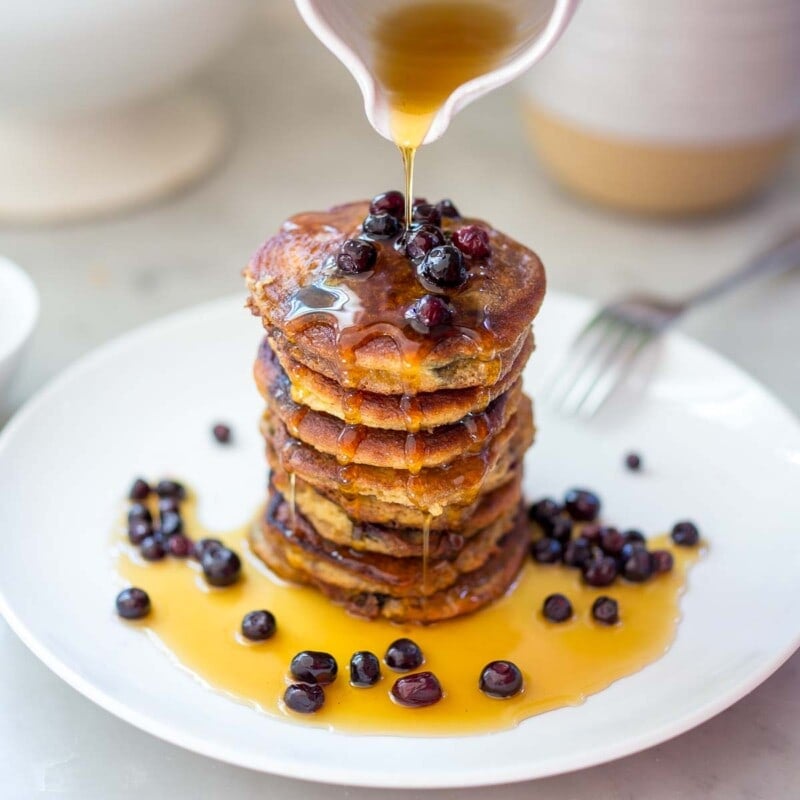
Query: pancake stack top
[[395, 424]]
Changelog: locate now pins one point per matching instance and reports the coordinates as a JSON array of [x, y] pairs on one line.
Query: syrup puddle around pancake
[[562, 663]]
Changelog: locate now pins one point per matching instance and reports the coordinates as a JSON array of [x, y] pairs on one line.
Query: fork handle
[[776, 259]]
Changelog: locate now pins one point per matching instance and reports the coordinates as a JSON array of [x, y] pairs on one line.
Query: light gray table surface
[[300, 140]]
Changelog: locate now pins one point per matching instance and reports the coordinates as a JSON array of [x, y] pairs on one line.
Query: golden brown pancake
[[432, 488], [470, 591], [362, 444], [392, 412], [354, 329], [328, 516], [402, 375], [354, 570]]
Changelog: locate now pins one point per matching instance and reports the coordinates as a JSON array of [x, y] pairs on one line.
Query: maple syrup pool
[[562, 663]]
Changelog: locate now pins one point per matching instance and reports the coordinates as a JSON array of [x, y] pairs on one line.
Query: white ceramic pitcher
[[344, 27]]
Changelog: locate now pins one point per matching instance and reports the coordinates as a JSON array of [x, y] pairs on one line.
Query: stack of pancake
[[395, 447]]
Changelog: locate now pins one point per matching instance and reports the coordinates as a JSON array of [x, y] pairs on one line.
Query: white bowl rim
[[23, 289]]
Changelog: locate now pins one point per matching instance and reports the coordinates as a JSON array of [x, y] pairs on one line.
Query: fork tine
[[617, 333], [561, 378], [610, 378]]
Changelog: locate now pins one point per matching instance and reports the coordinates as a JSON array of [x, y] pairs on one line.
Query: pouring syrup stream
[[425, 51], [422, 54]]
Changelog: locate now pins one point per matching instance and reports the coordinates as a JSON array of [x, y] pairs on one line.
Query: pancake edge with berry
[[394, 344]]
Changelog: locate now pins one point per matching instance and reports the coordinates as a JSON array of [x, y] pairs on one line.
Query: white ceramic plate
[[718, 449]]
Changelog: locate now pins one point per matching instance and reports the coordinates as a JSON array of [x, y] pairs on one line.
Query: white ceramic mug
[[669, 105]]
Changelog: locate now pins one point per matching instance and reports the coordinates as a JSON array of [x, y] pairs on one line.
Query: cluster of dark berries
[[312, 670], [157, 538], [601, 552], [165, 535], [416, 690], [558, 608], [441, 259], [386, 220]]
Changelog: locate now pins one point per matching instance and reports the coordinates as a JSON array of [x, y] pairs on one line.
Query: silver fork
[[607, 347]]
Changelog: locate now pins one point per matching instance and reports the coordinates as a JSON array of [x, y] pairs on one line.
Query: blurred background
[[147, 148], [268, 122]]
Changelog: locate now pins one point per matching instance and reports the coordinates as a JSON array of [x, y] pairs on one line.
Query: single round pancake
[[405, 377], [327, 516], [431, 489], [354, 329], [470, 592], [353, 570], [361, 444], [391, 412], [371, 510]]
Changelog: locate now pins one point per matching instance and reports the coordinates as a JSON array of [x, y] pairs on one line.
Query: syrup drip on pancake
[[347, 443], [351, 405], [415, 453], [353, 432], [292, 498], [410, 406], [426, 551], [296, 420]]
